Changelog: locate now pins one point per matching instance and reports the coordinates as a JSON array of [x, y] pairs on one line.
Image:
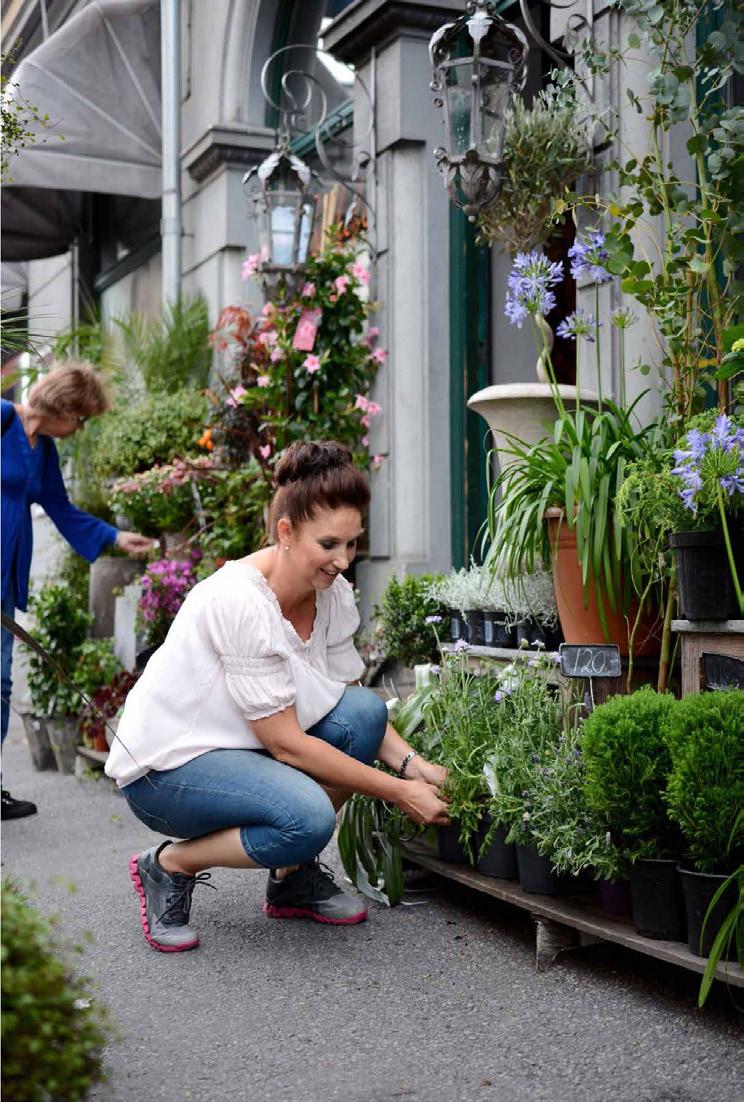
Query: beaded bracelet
[[406, 760]]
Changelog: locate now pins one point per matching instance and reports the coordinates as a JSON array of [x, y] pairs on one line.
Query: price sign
[[596, 660]]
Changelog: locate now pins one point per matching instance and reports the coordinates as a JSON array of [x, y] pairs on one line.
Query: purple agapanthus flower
[[528, 286], [710, 458], [589, 256], [578, 324]]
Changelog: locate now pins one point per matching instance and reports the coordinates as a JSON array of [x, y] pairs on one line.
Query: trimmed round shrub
[[154, 431], [705, 735], [627, 765], [401, 619], [53, 1034]]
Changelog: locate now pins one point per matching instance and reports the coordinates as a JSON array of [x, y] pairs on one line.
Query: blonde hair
[[73, 388]]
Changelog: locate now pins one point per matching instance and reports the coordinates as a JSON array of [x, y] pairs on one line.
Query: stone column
[[410, 512]]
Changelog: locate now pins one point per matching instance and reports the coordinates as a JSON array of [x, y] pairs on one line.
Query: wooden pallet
[[565, 922]]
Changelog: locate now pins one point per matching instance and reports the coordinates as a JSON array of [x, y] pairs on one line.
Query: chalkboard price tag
[[590, 661]]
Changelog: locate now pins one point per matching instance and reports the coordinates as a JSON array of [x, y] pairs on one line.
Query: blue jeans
[[284, 816], [8, 606]]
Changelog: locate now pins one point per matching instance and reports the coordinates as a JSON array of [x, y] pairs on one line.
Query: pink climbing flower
[[373, 409], [263, 380], [372, 334], [365, 441], [361, 402], [235, 395], [267, 339], [360, 272], [308, 290], [376, 462], [311, 364], [265, 451], [379, 355], [250, 265], [268, 309], [276, 354], [341, 283]]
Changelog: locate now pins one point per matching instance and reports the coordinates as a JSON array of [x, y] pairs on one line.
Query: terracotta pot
[[583, 625]]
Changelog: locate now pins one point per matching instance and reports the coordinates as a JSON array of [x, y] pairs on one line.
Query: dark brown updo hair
[[316, 475]]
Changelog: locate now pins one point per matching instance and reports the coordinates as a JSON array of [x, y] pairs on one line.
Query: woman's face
[[61, 426], [323, 546]]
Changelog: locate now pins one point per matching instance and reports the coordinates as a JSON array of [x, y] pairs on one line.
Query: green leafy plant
[[54, 1033], [96, 666], [705, 792], [406, 630], [61, 626], [172, 351], [546, 146], [233, 502], [156, 430], [626, 768], [21, 125]]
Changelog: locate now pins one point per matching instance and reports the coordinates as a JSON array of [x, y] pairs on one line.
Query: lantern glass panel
[[306, 229], [495, 93], [283, 213], [458, 88]]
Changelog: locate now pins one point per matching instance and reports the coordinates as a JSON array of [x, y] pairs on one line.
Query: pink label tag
[[307, 329]]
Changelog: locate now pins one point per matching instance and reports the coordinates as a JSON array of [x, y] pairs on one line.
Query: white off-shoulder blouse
[[229, 658]]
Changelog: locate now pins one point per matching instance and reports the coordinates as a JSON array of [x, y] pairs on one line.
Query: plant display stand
[[700, 637], [570, 921]]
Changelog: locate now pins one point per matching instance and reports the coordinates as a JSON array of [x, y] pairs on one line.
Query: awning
[[98, 80]]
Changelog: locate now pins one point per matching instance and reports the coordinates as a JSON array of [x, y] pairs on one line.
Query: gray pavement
[[432, 1002]]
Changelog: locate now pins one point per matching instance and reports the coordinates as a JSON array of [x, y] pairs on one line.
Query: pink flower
[[250, 264], [265, 451], [372, 334], [341, 283], [308, 290], [333, 298], [361, 402], [276, 354], [376, 462], [267, 339], [365, 441], [263, 380], [312, 363], [379, 355], [373, 409], [360, 272], [366, 420], [268, 309], [235, 395]]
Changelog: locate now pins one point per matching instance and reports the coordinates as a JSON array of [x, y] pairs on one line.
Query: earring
[[286, 547]]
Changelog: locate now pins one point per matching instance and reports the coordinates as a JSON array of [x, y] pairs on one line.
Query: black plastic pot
[[495, 631], [536, 875], [658, 906], [615, 898], [528, 632], [706, 588], [699, 889], [458, 626], [476, 627], [448, 845], [500, 859]]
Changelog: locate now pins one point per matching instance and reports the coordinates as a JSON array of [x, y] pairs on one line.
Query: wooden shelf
[[96, 758], [574, 912], [709, 627]]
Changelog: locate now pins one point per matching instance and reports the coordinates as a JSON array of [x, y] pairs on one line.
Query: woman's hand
[[419, 769], [421, 802], [133, 543]]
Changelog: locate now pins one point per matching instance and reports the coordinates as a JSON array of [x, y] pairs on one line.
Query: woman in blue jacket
[[58, 405]]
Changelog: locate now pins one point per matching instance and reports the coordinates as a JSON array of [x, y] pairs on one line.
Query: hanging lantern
[[478, 63], [284, 208]]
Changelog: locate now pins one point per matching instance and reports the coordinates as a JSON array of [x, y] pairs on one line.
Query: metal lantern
[[478, 62], [284, 208]]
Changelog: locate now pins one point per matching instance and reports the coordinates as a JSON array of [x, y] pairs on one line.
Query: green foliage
[[96, 666], [21, 123], [155, 430], [561, 824], [706, 785], [580, 469], [75, 573], [401, 619], [627, 763], [53, 1034], [546, 146], [172, 351], [731, 930], [61, 625], [233, 503]]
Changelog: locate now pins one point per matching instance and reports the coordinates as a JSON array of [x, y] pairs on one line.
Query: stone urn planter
[[39, 746], [64, 737], [108, 574]]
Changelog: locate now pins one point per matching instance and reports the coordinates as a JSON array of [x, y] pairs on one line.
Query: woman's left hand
[[133, 543], [420, 769]]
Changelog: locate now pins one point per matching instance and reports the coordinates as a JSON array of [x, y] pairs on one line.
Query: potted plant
[[709, 473], [450, 592], [96, 666], [98, 723], [165, 584], [61, 625], [529, 604], [705, 795], [405, 619], [627, 764]]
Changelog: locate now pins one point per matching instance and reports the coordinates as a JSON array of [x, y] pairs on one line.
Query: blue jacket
[[32, 475]]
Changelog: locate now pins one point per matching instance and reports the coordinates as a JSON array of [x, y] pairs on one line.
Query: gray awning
[[98, 80]]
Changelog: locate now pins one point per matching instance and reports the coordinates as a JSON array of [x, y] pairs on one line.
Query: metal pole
[[170, 226]]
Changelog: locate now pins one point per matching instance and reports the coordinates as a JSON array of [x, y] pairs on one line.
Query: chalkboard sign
[[590, 661]]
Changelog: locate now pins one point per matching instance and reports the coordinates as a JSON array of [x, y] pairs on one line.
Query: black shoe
[[16, 809], [311, 892]]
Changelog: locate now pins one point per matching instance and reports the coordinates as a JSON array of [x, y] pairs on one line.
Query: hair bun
[[310, 460]]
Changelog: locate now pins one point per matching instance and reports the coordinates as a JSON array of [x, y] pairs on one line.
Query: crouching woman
[[245, 734]]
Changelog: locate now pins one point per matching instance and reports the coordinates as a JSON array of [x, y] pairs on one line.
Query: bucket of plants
[[39, 746], [458, 626], [528, 632], [615, 897], [536, 875], [64, 740], [706, 586], [499, 859], [476, 627], [495, 630], [449, 846], [658, 905], [699, 889]]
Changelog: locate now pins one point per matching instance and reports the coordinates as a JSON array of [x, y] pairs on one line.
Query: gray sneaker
[[165, 902], [311, 892]]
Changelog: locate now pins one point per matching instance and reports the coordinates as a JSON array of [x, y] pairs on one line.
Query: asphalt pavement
[[436, 1001]]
